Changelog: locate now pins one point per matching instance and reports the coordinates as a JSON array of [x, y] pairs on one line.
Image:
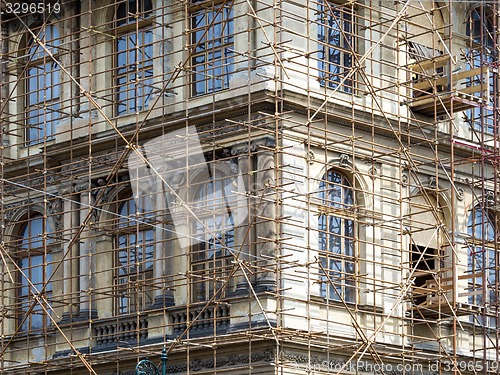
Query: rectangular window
[[212, 44], [335, 45], [213, 238], [42, 85], [34, 268], [35, 262], [133, 56], [134, 246], [134, 70]]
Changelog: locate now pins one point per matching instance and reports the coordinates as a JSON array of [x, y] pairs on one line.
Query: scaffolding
[[259, 186]]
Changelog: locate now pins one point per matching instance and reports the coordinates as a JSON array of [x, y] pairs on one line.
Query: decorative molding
[[45, 179], [432, 182], [263, 142], [490, 196], [345, 161], [13, 211], [373, 172], [214, 130], [196, 365], [246, 147], [311, 157], [405, 179], [55, 211], [241, 148]]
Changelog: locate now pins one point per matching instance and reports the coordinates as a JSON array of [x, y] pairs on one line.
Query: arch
[[111, 201], [123, 13], [441, 199], [441, 5], [423, 220], [352, 173], [20, 216]]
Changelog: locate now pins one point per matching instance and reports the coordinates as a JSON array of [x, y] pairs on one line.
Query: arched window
[[133, 56], [481, 52], [212, 40], [213, 237], [335, 44], [481, 262], [336, 226], [35, 261], [134, 244], [42, 85]]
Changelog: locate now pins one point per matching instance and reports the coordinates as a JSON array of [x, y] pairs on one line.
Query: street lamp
[[146, 367]]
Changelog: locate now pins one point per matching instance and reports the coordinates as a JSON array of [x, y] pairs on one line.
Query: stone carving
[[373, 172], [345, 161], [311, 157], [432, 183], [405, 179], [233, 360], [54, 211], [246, 147]]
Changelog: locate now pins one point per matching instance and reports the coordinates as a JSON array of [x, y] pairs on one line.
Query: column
[[163, 264], [70, 266], [243, 232], [265, 201], [86, 310]]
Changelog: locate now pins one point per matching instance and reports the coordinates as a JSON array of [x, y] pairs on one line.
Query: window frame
[[208, 271], [138, 95], [476, 58], [220, 56], [37, 60], [343, 211], [24, 290], [482, 231], [134, 294], [345, 48]]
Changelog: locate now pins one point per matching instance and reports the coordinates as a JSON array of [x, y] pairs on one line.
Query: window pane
[[212, 43], [35, 265], [339, 239], [214, 232], [335, 39], [43, 80], [134, 65], [135, 256], [481, 259]]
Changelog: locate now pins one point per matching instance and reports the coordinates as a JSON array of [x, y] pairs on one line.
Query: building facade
[[258, 186]]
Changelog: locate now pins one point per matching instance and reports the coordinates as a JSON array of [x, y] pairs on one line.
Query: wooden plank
[[424, 65], [475, 293], [428, 84], [463, 277], [470, 90]]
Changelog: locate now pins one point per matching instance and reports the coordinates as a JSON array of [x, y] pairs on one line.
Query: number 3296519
[[30, 8]]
